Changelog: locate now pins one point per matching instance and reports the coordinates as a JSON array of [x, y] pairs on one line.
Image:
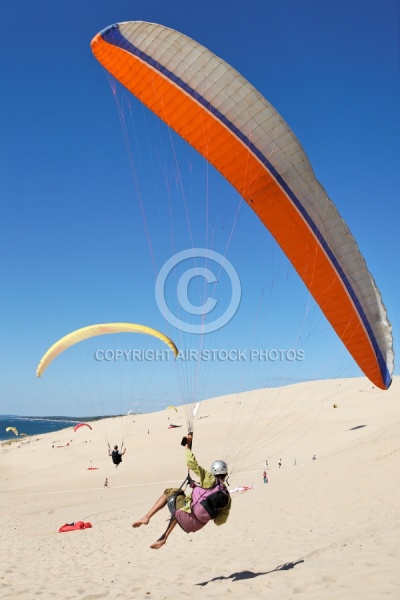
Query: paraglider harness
[[116, 456], [171, 502], [213, 499]]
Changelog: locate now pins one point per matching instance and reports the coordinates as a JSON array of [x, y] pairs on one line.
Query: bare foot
[[142, 521], [158, 544]]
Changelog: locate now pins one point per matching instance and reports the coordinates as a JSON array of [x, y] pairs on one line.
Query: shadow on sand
[[239, 576]]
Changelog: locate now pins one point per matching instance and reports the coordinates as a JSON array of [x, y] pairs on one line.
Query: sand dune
[[320, 529]]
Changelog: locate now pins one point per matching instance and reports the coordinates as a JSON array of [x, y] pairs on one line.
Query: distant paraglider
[[94, 330], [13, 429], [81, 425]]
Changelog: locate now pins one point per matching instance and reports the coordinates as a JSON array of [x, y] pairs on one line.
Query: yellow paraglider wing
[[94, 330], [173, 408], [13, 429]]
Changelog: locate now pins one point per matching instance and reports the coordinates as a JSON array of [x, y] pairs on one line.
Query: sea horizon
[[38, 425]]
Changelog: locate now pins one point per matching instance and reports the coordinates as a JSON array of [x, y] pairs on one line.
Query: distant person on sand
[[265, 478], [116, 455], [210, 499]]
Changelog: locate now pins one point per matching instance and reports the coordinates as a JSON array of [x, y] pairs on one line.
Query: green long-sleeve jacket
[[207, 480]]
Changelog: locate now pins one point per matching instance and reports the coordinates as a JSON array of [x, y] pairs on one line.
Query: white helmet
[[219, 467]]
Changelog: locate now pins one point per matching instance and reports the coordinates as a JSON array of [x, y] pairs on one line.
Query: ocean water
[[36, 425]]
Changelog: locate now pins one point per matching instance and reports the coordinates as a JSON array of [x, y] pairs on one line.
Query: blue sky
[[73, 242]]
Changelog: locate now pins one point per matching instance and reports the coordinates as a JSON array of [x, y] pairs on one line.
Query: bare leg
[[161, 502], [162, 540]]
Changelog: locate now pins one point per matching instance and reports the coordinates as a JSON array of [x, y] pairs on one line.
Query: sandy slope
[[320, 529]]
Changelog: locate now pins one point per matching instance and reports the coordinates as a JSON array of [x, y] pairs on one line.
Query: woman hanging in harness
[[209, 501], [116, 454]]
